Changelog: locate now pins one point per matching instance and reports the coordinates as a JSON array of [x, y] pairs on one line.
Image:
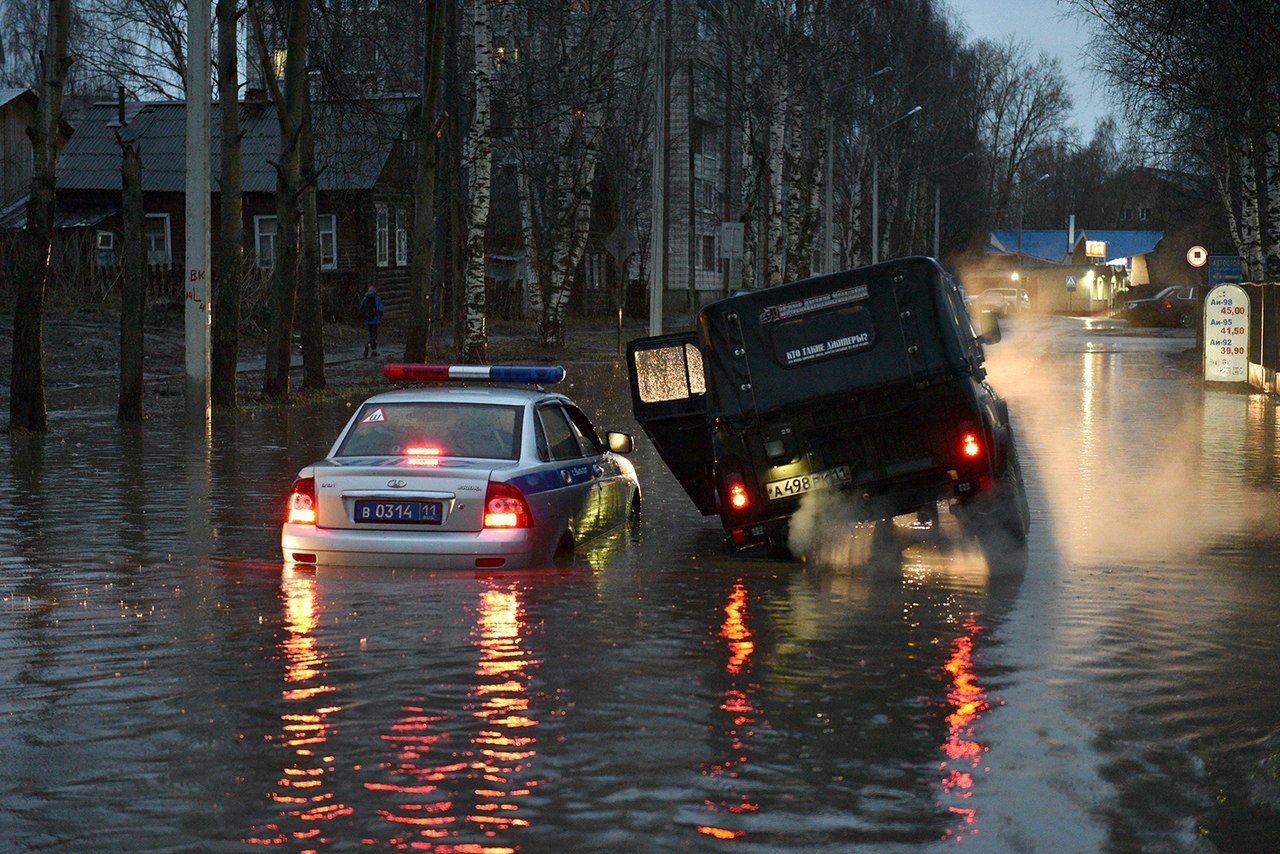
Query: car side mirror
[[620, 443], [988, 327]]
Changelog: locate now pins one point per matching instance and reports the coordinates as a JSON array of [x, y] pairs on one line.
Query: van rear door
[[669, 399]]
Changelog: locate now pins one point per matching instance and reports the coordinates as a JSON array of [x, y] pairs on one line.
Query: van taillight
[[735, 491], [302, 501], [970, 447], [505, 507]]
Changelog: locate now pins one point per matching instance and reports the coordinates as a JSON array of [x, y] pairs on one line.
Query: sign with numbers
[[1226, 335]]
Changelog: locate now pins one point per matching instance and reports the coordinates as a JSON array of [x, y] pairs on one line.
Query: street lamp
[[828, 255], [875, 181], [937, 203]]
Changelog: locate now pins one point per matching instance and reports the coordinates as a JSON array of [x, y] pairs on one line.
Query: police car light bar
[[404, 372]]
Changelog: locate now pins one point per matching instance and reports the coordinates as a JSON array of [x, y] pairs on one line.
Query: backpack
[[369, 307]]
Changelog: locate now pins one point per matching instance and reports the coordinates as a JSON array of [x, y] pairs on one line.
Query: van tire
[[1003, 512]]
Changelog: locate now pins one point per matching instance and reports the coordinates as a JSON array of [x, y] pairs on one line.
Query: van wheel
[[1003, 512], [563, 555], [633, 515]]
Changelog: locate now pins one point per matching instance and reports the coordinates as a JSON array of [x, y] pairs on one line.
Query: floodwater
[[167, 684]]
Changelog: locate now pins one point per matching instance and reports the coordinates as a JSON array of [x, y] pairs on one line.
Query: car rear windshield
[[434, 430]]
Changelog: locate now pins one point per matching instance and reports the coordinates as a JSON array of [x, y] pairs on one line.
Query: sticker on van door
[[811, 337]]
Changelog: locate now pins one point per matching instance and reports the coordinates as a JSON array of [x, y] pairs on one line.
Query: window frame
[[382, 236], [166, 233], [402, 238], [262, 260], [332, 233]]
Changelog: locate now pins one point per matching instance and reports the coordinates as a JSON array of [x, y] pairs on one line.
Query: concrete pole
[[937, 217], [828, 256], [196, 277], [875, 202], [657, 266]]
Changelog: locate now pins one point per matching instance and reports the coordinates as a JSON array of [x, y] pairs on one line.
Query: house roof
[[353, 144], [13, 216], [7, 95], [1051, 244]]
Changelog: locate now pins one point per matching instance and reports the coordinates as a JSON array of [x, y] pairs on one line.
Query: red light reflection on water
[[739, 707], [968, 700], [444, 789], [302, 792]]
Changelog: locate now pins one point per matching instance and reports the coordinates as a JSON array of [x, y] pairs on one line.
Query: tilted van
[[868, 382]]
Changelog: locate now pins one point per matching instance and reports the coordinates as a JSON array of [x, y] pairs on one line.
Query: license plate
[[419, 512], [802, 483]]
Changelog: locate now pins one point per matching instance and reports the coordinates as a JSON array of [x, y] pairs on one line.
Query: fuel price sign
[[1226, 335]]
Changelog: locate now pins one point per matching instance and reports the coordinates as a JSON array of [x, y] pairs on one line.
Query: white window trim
[[327, 224], [168, 240], [382, 236], [263, 261], [402, 239]]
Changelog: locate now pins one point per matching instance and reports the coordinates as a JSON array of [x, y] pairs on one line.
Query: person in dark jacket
[[371, 311]]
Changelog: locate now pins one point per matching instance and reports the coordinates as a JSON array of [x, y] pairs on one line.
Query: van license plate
[[800, 484]]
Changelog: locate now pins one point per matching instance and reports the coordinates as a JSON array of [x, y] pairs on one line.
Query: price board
[[1226, 335]]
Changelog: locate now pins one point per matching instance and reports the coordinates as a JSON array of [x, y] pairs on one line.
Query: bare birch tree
[[225, 335], [27, 408], [478, 161]]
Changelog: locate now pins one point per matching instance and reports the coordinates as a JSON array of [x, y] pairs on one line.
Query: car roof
[[478, 394]]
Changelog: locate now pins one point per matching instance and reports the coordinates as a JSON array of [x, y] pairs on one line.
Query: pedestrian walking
[[371, 311]]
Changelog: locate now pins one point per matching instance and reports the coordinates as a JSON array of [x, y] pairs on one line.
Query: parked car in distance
[[475, 477], [1173, 306], [1002, 301]]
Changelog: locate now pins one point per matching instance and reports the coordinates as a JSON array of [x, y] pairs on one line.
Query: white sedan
[[471, 477]]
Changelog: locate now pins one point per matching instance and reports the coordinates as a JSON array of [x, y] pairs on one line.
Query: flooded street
[[167, 684]]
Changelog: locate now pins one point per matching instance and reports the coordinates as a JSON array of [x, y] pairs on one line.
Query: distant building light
[[1095, 249]]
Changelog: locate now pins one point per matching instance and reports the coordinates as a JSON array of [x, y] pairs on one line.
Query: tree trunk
[[531, 252], [1250, 234], [577, 178], [310, 307], [776, 240], [422, 261], [1271, 254], [27, 409], [230, 247], [795, 243], [750, 201], [479, 160], [284, 280], [133, 283]]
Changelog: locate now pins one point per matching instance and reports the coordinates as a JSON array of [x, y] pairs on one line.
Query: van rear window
[[669, 373], [823, 335]]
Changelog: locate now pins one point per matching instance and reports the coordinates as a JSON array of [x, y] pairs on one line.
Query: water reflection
[[305, 792], [967, 699], [443, 789], [739, 721]]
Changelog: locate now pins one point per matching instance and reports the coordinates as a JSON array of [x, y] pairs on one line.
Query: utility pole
[[658, 266], [196, 279]]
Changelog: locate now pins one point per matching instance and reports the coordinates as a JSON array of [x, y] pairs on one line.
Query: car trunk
[[358, 496]]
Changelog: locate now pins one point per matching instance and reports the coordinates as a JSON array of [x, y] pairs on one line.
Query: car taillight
[[505, 507], [302, 501], [970, 446], [735, 491]]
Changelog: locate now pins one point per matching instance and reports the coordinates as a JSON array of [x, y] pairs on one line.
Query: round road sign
[[1197, 256]]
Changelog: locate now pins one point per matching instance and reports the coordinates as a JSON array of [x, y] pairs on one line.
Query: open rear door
[[669, 399]]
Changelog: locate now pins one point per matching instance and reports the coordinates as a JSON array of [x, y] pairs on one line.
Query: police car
[[464, 475]]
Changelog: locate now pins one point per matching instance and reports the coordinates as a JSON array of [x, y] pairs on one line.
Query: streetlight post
[[828, 227], [875, 181], [937, 204], [1017, 273]]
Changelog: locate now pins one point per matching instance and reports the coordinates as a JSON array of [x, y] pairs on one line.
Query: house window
[[1125, 213], [1144, 213], [264, 241], [402, 239], [383, 235], [156, 231], [106, 241], [708, 252], [327, 233]]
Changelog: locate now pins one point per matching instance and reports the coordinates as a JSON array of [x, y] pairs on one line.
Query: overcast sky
[[1046, 25]]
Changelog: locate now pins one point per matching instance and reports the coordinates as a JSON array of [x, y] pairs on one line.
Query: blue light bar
[[409, 372]]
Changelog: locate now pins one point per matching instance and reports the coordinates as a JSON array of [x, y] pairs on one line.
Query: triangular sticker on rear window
[[374, 417]]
